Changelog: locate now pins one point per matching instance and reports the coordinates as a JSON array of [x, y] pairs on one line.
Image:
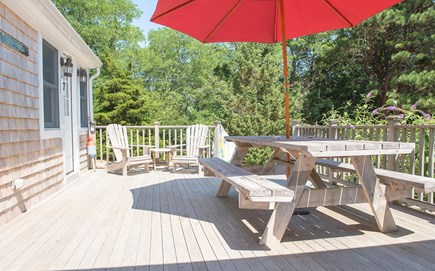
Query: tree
[[396, 49], [256, 106], [390, 54], [178, 80], [181, 70], [105, 25], [335, 76], [122, 100]]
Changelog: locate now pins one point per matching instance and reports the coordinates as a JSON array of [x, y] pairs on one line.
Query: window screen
[[50, 85], [83, 105]]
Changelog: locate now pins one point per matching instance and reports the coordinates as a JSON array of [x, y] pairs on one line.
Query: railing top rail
[[310, 126], [302, 126], [180, 126], [152, 127], [360, 126], [409, 126], [425, 126]]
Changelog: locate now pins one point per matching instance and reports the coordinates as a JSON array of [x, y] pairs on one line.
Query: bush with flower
[[365, 112]]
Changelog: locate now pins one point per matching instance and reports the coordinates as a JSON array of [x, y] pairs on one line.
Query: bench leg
[[374, 194], [199, 168], [223, 189], [283, 211], [208, 172], [124, 167]]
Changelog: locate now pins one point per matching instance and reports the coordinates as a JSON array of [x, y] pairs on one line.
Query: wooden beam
[[315, 178], [374, 194], [283, 211], [313, 198], [332, 196], [267, 168], [239, 155], [246, 203], [224, 189]]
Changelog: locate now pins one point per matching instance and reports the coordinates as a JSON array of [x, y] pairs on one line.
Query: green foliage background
[[170, 77]]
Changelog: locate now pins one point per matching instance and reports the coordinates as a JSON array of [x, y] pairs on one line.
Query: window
[[50, 85], [83, 105]]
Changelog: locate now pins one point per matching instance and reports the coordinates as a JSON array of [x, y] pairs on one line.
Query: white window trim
[[47, 133], [82, 130]]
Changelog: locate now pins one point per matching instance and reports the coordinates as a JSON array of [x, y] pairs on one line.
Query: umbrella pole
[[286, 84], [284, 58]]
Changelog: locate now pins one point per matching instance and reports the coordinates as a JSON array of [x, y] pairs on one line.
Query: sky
[[147, 7]]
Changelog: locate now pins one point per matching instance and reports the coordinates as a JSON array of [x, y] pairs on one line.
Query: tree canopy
[[170, 77]]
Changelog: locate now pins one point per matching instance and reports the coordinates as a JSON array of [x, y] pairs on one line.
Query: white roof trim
[[44, 17]]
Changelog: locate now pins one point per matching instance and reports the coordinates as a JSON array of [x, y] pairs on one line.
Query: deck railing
[[420, 162], [156, 136]]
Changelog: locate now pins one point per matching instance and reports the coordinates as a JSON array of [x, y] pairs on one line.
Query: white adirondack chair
[[117, 136], [196, 137]]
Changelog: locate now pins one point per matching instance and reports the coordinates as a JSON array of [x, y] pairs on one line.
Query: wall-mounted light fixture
[[83, 76], [67, 66]]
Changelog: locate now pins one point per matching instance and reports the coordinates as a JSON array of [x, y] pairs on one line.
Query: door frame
[[68, 140]]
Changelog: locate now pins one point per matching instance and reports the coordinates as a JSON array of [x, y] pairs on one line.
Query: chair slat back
[[118, 138], [196, 135]]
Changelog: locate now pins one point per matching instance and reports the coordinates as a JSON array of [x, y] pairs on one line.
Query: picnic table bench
[[399, 184], [251, 187], [258, 192]]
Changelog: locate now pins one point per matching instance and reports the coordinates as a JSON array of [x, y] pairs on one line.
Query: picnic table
[[301, 154]]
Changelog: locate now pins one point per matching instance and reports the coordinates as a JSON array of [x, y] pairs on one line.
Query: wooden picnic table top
[[319, 147]]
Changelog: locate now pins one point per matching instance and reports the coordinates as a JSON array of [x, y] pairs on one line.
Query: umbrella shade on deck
[[266, 21]]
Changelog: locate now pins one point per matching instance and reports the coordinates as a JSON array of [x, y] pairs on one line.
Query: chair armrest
[[118, 148], [201, 150], [175, 146], [146, 148]]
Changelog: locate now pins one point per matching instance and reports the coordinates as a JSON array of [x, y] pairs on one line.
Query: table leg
[[267, 168], [283, 211], [316, 180], [239, 155], [374, 194]]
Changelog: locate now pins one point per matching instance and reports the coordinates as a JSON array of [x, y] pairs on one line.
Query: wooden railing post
[[295, 123], [391, 136], [107, 150], [332, 129], [217, 139], [156, 137], [332, 134]]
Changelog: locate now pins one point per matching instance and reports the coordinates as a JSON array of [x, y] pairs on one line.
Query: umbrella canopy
[[260, 20], [265, 21]]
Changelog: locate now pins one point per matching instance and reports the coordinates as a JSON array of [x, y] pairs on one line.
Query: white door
[[68, 145]]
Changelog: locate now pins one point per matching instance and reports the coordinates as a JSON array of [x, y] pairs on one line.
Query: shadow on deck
[[388, 257], [198, 202], [167, 221]]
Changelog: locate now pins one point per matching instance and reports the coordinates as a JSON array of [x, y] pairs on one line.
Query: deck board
[[173, 221]]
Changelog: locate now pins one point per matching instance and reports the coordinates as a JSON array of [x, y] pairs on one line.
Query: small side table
[[154, 153]]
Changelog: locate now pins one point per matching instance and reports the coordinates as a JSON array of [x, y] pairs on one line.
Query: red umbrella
[[267, 21]]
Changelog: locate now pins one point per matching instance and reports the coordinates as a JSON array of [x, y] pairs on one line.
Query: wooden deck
[[167, 221]]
